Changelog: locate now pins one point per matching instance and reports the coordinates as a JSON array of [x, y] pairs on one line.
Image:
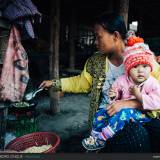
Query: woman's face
[[105, 41], [140, 73]]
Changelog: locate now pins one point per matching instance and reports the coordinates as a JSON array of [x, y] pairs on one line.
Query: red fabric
[[133, 39], [14, 77]]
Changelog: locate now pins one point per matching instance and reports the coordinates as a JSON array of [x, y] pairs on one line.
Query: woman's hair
[[112, 22]]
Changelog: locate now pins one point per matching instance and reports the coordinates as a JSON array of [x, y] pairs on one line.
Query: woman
[[99, 73]]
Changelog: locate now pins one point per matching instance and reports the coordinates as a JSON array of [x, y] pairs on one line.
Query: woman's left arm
[[156, 71], [118, 105]]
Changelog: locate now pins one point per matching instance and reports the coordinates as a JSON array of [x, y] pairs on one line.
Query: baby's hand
[[112, 93], [135, 90]]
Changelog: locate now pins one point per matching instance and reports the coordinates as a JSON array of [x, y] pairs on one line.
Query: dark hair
[[112, 22]]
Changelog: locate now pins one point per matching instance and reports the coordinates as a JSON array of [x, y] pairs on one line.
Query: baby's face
[[140, 73]]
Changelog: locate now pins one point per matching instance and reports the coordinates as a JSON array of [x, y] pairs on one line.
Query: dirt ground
[[70, 124]]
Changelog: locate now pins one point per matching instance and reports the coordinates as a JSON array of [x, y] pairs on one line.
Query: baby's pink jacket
[[150, 90]]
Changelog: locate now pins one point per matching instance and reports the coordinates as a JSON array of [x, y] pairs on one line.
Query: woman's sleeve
[[77, 84], [156, 71]]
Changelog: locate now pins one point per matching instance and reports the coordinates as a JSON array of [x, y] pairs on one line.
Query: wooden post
[[54, 52], [109, 7], [72, 36], [123, 7], [140, 22]]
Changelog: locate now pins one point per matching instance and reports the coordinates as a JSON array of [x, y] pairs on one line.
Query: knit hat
[[137, 54]]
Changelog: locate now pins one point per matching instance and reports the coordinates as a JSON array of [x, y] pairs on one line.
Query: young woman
[[104, 67]]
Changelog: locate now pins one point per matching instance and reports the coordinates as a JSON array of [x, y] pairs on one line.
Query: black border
[[81, 156]]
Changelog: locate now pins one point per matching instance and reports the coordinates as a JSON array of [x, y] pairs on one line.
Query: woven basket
[[35, 139]]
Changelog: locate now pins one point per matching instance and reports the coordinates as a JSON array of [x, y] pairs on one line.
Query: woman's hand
[[46, 84], [115, 107], [118, 105]]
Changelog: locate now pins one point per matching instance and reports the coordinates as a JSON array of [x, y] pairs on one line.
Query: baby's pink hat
[[137, 54]]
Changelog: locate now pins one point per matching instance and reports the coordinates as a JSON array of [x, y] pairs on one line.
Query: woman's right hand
[[46, 84]]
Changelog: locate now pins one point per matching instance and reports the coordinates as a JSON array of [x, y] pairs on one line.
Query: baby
[[136, 83]]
